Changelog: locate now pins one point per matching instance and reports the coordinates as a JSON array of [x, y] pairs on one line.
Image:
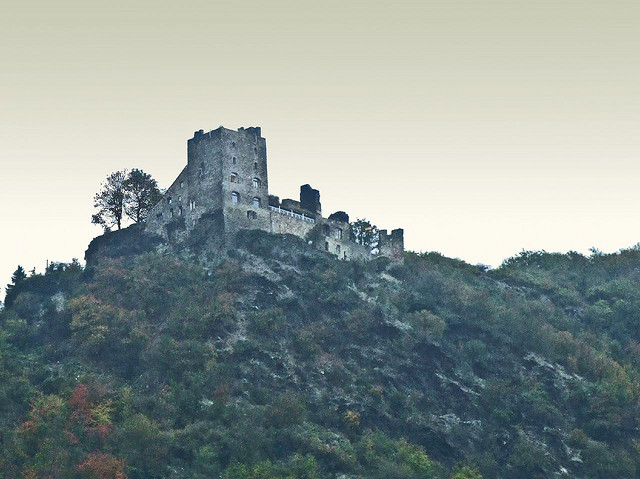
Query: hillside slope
[[279, 361]]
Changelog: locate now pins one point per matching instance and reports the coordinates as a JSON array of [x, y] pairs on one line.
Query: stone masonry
[[226, 178]]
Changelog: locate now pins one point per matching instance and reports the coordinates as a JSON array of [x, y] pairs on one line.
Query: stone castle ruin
[[226, 179]]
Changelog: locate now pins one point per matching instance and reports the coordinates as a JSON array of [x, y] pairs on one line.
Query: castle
[[226, 178]]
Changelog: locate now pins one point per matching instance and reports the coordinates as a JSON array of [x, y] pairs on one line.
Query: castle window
[[233, 143], [255, 150], [252, 215], [256, 202], [234, 160], [338, 233], [169, 200], [179, 198], [192, 205], [171, 212], [180, 210], [159, 216], [338, 248], [345, 255], [326, 246], [255, 165], [181, 184], [327, 230], [256, 183], [234, 177], [235, 197]]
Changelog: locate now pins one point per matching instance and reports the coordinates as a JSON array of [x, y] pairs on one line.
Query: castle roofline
[[200, 134]]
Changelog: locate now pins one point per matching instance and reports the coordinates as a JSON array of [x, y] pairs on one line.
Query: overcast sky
[[481, 128]]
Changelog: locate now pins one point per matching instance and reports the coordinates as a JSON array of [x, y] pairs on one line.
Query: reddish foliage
[[79, 401], [100, 465]]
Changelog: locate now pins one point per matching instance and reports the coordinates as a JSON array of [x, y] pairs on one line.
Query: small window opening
[[326, 246], [338, 248], [338, 233], [327, 230], [252, 215], [192, 205], [159, 216], [256, 202], [255, 165], [234, 160], [235, 197], [256, 183], [234, 177], [233, 143], [181, 184], [179, 198], [255, 150], [180, 210], [171, 212], [169, 200], [345, 255]]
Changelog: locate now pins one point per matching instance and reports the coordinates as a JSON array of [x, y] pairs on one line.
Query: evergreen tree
[[13, 288], [141, 194]]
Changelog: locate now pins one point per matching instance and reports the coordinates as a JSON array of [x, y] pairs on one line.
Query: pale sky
[[481, 128]]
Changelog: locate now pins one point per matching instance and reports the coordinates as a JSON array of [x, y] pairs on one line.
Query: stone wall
[[227, 173]]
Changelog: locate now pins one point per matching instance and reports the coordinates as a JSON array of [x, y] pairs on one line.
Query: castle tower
[[225, 177]]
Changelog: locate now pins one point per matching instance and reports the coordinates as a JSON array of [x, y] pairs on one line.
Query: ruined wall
[[282, 223], [392, 245], [226, 174]]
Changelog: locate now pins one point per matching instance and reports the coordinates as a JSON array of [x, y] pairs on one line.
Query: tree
[[13, 288], [110, 201], [364, 233], [141, 194]]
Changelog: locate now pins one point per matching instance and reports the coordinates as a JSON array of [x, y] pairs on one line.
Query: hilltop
[[280, 361]]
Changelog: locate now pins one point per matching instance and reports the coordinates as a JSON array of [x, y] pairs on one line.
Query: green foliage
[[147, 366], [363, 232], [123, 193], [141, 194], [13, 288]]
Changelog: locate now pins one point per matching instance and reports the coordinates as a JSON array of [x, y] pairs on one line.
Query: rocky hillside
[[278, 361]]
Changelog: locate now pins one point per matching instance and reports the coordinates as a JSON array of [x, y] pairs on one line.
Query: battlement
[[226, 177], [252, 131]]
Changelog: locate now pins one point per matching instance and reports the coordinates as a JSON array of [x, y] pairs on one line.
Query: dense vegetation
[[278, 361]]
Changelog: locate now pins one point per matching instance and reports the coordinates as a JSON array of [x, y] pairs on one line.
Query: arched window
[[326, 246], [234, 160], [252, 215], [233, 177], [192, 205], [256, 182], [235, 197], [255, 165], [338, 233], [338, 248], [256, 202], [180, 210]]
